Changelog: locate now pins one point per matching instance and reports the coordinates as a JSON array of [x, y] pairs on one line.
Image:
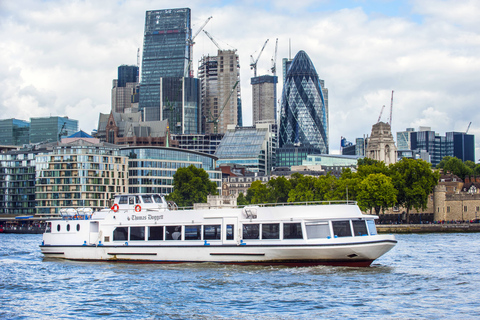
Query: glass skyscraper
[[166, 53], [14, 132], [304, 117]]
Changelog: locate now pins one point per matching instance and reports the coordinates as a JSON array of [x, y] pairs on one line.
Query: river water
[[424, 277]]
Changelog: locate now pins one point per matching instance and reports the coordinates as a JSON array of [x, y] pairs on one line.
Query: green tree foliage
[[278, 189], [414, 181], [257, 193], [241, 200], [191, 185], [457, 167], [376, 191]]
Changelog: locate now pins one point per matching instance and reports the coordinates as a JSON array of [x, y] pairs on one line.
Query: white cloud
[[59, 57]]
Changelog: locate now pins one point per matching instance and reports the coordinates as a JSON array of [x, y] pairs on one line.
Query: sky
[[59, 57]]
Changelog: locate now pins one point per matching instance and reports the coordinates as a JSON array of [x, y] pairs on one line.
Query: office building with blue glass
[[166, 53], [14, 132], [51, 129], [303, 115]]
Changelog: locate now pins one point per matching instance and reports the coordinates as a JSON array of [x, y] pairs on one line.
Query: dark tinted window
[[173, 233], [230, 232], [193, 232], [292, 231], [137, 233], [120, 233], [271, 231], [251, 231], [342, 228], [359, 228], [212, 232], [155, 233]]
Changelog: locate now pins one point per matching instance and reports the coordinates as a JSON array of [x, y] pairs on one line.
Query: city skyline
[[56, 61]]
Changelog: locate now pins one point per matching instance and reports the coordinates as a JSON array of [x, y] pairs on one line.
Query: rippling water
[[425, 276]]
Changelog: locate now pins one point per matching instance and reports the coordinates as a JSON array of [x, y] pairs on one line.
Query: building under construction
[[220, 91]]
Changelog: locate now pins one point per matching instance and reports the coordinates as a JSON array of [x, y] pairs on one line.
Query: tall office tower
[[264, 97], [220, 93], [14, 132], [403, 139], [460, 145], [125, 90], [285, 66], [166, 53], [51, 129], [303, 119]]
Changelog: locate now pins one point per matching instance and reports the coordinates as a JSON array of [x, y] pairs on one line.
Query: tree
[[304, 189], [278, 189], [257, 193], [241, 201], [414, 181], [325, 188], [191, 185], [457, 167], [376, 191]]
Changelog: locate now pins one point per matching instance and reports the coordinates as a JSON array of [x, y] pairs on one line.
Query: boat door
[[230, 231]]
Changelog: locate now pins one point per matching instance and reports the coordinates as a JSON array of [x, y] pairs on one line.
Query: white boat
[[144, 228]]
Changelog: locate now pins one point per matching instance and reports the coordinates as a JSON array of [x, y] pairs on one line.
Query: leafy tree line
[[374, 186], [458, 167]]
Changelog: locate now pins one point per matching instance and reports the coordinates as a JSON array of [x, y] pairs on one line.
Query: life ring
[[115, 207], [138, 208]]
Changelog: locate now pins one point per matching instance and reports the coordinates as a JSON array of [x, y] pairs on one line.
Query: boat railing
[[280, 204]]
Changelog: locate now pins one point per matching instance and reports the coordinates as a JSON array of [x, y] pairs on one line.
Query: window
[[212, 232], [230, 232], [193, 232], [147, 199], [157, 198], [342, 228], [137, 233], [359, 228], [68, 227], [318, 230], [120, 234], [173, 233], [271, 231], [448, 209], [155, 233], [58, 228], [292, 231], [78, 227], [465, 208], [123, 200], [251, 231], [371, 227]]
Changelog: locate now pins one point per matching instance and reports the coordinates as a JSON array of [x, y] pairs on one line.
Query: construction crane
[[274, 60], [62, 132], [213, 40], [213, 119], [253, 64], [468, 127], [391, 108], [191, 42], [380, 116]]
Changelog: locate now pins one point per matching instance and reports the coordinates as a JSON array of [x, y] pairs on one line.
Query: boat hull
[[337, 253]]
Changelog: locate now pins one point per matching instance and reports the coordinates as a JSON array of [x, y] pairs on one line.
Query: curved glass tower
[[303, 118]]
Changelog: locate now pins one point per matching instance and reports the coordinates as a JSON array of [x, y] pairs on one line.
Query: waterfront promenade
[[428, 228]]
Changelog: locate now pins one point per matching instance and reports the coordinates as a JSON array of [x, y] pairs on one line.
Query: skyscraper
[[220, 105], [304, 117], [125, 89], [264, 97], [166, 53]]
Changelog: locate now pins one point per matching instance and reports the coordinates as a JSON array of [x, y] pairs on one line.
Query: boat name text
[[147, 217]]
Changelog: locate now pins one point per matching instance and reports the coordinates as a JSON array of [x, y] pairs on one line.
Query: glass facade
[[291, 155], [303, 118], [51, 129], [127, 74], [14, 132], [166, 53], [252, 147], [17, 183], [151, 169], [180, 102]]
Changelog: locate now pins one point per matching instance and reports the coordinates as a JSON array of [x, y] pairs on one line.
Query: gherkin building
[[303, 117]]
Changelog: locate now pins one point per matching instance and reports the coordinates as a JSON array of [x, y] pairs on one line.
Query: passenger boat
[[146, 228]]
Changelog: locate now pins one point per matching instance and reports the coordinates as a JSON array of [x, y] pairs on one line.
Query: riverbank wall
[[428, 228]]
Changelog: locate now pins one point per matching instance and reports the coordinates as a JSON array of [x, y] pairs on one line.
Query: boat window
[[137, 233], [157, 198], [123, 200], [271, 231], [58, 227], [147, 199], [251, 231], [137, 199], [292, 231], [230, 232], [155, 233], [48, 228], [78, 227], [342, 228], [131, 200], [193, 232], [120, 233], [212, 232], [173, 233], [318, 230], [371, 227], [68, 227], [359, 228]]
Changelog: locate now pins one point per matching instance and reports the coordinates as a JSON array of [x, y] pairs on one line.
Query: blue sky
[[59, 57]]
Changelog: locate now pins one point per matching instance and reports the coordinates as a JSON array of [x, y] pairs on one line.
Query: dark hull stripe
[[132, 253], [235, 254]]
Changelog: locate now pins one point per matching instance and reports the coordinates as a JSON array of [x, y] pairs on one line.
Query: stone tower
[[381, 146]]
